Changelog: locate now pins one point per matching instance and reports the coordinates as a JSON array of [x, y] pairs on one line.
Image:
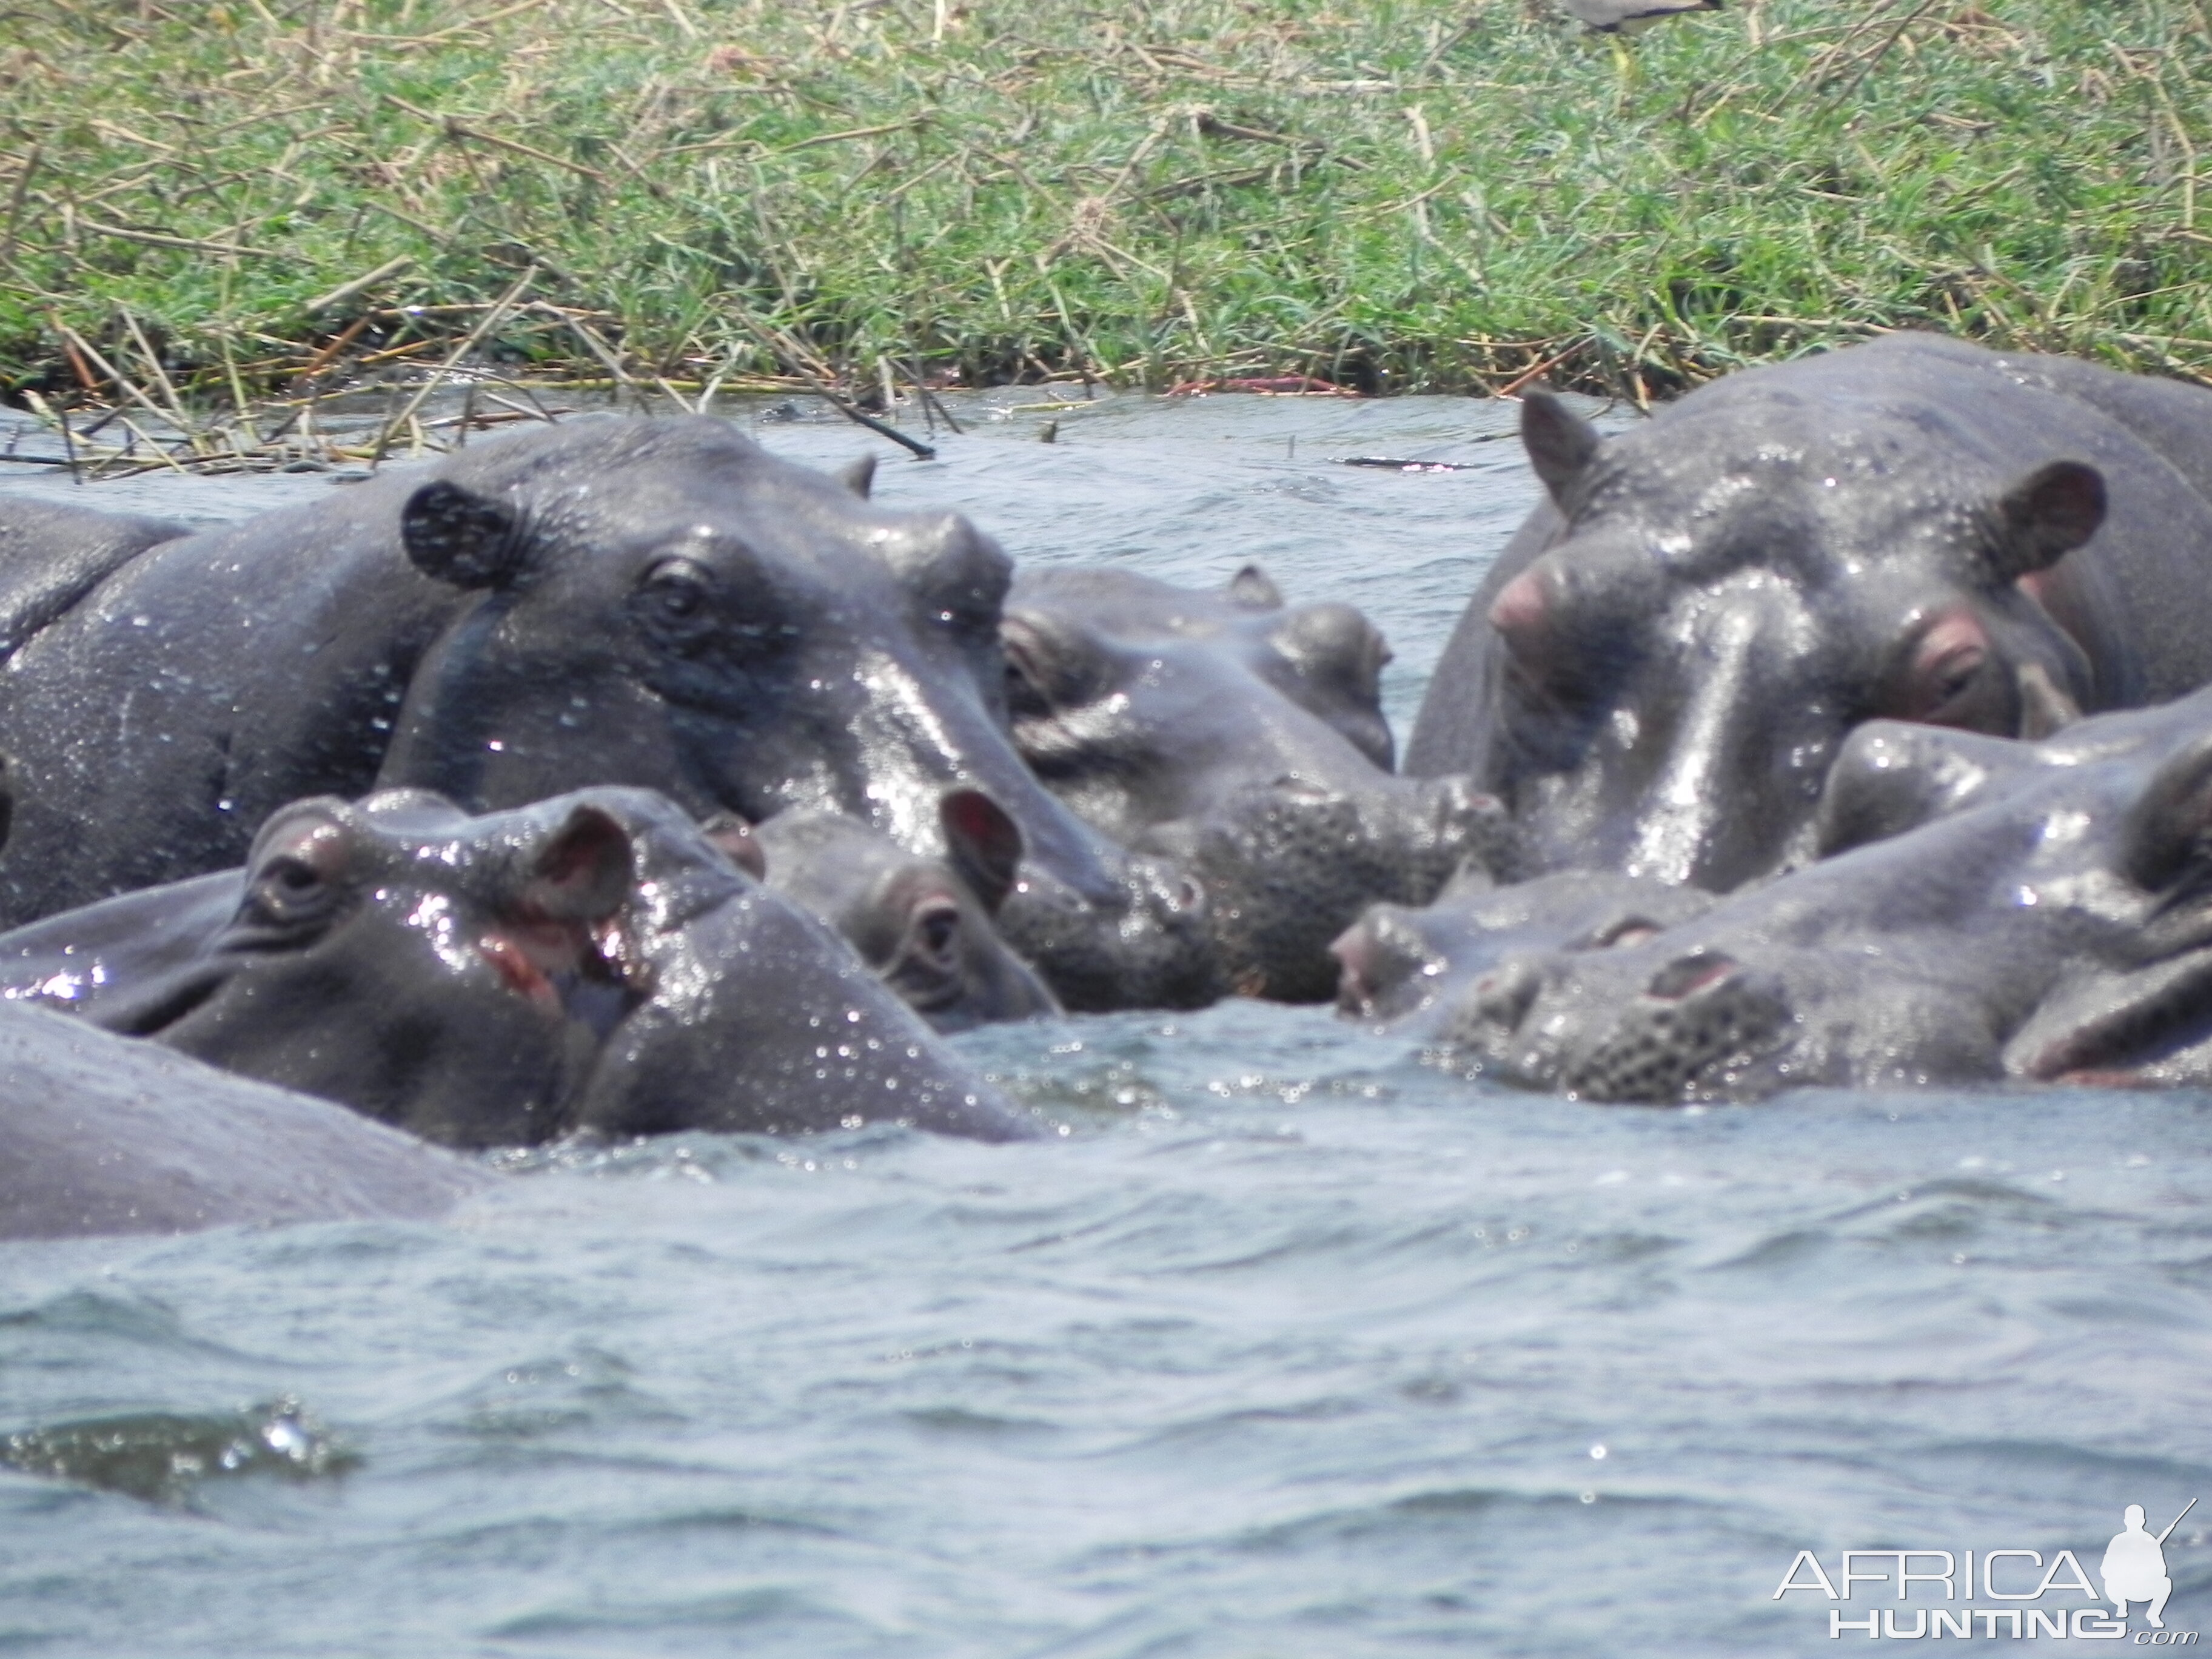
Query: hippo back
[[101, 1135]]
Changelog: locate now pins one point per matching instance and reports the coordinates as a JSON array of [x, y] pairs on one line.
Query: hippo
[[1990, 910], [652, 604], [924, 925], [1243, 740], [1658, 672], [53, 554], [590, 963], [100, 1135], [1398, 961]]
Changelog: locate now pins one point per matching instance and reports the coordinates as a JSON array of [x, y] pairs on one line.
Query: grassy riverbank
[[220, 199]]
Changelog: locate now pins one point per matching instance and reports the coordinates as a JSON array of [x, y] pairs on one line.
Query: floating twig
[[787, 352], [490, 320]]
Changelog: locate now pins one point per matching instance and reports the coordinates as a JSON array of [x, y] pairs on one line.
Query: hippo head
[[1241, 739], [589, 963], [1139, 704], [1397, 960], [1738, 583], [924, 925], [455, 984], [666, 605], [2038, 911]]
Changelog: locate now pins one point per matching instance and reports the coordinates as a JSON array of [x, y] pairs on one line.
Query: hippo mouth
[[592, 974], [2127, 1035], [168, 1001]]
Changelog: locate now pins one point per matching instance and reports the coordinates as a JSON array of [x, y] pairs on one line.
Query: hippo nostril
[[1504, 996], [1629, 930], [1686, 976]]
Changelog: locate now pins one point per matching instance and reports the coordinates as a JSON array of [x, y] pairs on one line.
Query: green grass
[[1396, 195]]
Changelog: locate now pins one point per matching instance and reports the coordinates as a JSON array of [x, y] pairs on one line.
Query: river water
[[1293, 1345]]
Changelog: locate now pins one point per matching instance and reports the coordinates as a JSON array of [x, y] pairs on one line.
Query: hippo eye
[[288, 890], [1945, 684], [297, 879], [937, 929], [1049, 668], [1954, 676], [675, 596], [968, 611], [1024, 696]]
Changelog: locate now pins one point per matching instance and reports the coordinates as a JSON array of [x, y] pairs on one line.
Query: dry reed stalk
[[489, 321]]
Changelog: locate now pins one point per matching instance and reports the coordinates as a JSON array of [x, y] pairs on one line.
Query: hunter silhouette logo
[[2133, 1572], [2133, 1567]]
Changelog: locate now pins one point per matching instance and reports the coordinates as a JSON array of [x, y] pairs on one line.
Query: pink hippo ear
[[985, 844], [735, 839], [1559, 442], [584, 873], [458, 536], [2044, 517]]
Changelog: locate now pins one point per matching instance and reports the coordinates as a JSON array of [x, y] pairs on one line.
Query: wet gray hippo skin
[[1992, 910], [657, 604], [53, 554], [1659, 670], [1243, 740], [924, 925], [589, 963], [1398, 961], [100, 1135]]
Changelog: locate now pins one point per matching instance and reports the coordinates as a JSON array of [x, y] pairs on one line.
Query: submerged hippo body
[[1243, 740], [1659, 670], [100, 1135], [589, 963], [657, 604], [1991, 910]]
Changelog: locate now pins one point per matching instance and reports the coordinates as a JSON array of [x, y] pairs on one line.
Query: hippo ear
[[586, 872], [458, 536], [1559, 442], [735, 839], [2045, 516], [2165, 831], [1253, 589], [860, 478], [985, 843]]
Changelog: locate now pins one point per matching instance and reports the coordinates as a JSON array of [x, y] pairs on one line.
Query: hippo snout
[[1377, 957], [1699, 1016], [1612, 1028], [1502, 997]]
